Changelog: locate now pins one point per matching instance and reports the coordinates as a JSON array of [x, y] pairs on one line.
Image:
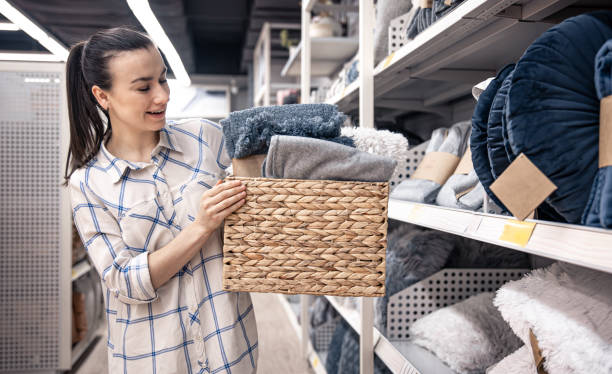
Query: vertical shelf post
[[305, 97]]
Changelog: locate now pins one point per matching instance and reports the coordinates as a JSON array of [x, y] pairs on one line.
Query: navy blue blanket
[[496, 151], [248, 132], [553, 110], [598, 211], [478, 137]]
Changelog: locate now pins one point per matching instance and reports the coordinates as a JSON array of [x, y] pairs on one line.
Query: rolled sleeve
[[124, 272]]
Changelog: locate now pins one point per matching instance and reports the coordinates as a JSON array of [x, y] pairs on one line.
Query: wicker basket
[[307, 237]]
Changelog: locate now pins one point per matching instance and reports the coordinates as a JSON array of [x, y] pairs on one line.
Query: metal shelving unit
[[433, 73]]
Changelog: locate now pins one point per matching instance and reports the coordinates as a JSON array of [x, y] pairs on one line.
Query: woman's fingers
[[225, 194], [226, 212], [229, 201]]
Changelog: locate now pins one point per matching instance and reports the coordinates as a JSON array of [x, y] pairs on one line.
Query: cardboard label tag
[[388, 60], [605, 132], [248, 166], [537, 353], [522, 187], [517, 232], [448, 2], [465, 165], [426, 3], [436, 167]]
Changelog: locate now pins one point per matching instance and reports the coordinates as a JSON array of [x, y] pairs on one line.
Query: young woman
[[148, 203]]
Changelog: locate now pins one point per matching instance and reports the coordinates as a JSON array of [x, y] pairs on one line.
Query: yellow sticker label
[[73, 273], [415, 213], [388, 60], [517, 232], [315, 362], [344, 91]]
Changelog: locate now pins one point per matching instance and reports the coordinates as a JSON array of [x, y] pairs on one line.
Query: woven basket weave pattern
[[307, 237]]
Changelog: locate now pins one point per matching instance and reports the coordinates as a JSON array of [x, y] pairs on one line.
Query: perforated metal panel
[[32, 237], [415, 155], [444, 288]]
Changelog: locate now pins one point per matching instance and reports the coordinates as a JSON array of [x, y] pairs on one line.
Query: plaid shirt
[[125, 210]]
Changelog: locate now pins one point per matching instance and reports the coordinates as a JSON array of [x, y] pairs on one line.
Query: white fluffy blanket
[[569, 309]]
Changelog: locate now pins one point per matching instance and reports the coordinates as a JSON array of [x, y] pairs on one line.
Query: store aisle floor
[[279, 351]]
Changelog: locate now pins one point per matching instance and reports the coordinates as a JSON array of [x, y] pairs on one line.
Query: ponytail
[[86, 127], [87, 66]]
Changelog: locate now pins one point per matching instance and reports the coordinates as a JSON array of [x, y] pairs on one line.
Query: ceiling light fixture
[[33, 30], [7, 26], [144, 14], [29, 57]]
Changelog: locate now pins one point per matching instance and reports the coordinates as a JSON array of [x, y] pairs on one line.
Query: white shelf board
[[470, 40], [580, 245], [316, 362], [327, 56], [386, 351], [80, 268]]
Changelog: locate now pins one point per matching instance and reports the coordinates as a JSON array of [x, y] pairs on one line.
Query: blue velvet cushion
[[478, 137], [495, 141], [599, 208], [553, 110]]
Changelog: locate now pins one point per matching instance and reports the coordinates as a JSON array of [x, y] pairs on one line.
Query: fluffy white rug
[[519, 362], [569, 309], [469, 336]]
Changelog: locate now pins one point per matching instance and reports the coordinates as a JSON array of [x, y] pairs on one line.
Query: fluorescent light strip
[[29, 57], [7, 26], [33, 30], [144, 14]]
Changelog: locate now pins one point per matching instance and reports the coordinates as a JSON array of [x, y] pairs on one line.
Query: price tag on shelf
[[315, 362], [344, 92], [517, 232], [388, 60]]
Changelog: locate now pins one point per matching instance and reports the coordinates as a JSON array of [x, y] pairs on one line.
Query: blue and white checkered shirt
[[125, 210]]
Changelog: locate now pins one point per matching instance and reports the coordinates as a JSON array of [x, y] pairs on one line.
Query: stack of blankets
[[546, 106], [302, 141]]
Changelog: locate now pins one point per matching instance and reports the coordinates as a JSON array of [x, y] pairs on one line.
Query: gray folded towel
[[248, 132], [295, 157], [454, 141]]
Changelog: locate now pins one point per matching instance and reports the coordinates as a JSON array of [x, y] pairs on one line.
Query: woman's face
[[139, 91]]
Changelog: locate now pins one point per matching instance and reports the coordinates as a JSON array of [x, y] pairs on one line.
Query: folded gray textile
[[248, 132], [469, 336], [458, 183], [295, 157], [386, 11], [519, 362], [426, 16], [454, 141]]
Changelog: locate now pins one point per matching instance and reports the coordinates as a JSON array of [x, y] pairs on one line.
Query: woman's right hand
[[218, 203]]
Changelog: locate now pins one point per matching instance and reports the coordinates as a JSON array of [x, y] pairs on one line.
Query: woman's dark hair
[[87, 66]]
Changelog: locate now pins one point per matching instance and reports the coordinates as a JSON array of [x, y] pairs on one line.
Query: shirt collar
[[116, 166]]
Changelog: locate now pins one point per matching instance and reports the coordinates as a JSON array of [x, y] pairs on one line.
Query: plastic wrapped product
[[553, 109]]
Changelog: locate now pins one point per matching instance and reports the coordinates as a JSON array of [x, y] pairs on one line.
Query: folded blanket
[[552, 103], [386, 11], [352, 73], [450, 194], [598, 211], [248, 132], [295, 157], [453, 141], [424, 17], [478, 136], [519, 362], [382, 143], [468, 336], [568, 309]]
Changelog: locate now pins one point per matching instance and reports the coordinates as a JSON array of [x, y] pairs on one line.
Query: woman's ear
[[101, 96]]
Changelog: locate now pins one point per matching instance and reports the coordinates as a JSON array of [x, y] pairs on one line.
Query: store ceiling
[[211, 36]]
